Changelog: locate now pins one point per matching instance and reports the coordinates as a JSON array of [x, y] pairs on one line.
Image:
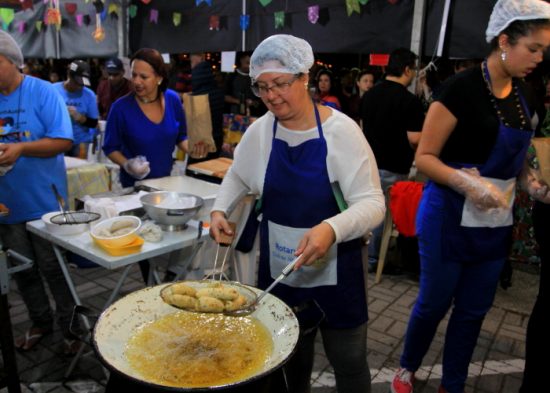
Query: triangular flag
[[7, 15], [214, 22], [279, 19], [176, 18], [114, 9], [99, 6], [313, 13], [132, 11], [38, 25], [103, 15], [208, 2], [26, 4], [244, 22], [21, 26], [363, 2], [87, 20], [79, 20], [265, 2], [154, 16], [353, 6], [145, 1], [71, 8]]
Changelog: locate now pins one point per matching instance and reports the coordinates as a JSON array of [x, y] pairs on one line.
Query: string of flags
[[53, 16]]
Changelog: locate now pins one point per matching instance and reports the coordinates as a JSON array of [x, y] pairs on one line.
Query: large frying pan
[[119, 322]]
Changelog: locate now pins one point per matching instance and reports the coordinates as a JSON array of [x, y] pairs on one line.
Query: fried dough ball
[[209, 304]]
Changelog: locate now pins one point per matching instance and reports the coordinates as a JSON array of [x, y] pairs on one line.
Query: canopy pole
[[123, 29], [243, 39], [417, 32], [443, 29]]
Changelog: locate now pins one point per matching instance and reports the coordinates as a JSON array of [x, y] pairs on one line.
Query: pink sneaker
[[402, 382]]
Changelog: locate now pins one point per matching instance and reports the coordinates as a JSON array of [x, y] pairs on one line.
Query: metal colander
[[72, 218]]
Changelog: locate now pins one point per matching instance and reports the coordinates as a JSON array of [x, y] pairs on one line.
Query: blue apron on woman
[[297, 195]]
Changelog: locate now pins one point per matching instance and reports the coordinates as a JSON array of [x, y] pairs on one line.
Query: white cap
[[10, 49], [281, 53], [507, 11]]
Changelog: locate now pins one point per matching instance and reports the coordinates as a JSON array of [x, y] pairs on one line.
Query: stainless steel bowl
[[171, 210]]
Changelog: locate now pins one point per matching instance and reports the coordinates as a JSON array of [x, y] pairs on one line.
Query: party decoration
[[99, 32], [265, 2], [87, 20], [114, 9], [132, 11], [53, 14], [176, 18], [353, 6], [279, 19], [214, 22], [208, 2], [145, 1], [313, 13], [363, 2], [7, 15], [71, 8], [99, 6], [154, 16], [26, 4], [21, 26], [79, 20], [38, 25], [244, 22]]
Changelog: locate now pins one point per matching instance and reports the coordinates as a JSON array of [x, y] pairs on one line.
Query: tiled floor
[[496, 367]]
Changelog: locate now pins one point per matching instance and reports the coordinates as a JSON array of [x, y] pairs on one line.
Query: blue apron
[[469, 242], [297, 195]]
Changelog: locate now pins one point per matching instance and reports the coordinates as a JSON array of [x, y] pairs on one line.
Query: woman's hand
[[219, 226], [315, 244], [199, 150]]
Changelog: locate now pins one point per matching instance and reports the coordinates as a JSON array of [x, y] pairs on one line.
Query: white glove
[[481, 192], [531, 181], [137, 167]]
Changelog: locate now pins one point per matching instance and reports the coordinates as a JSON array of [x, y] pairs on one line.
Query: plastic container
[[116, 241]]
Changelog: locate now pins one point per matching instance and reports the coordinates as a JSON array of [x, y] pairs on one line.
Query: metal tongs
[[227, 241], [250, 308], [61, 203]]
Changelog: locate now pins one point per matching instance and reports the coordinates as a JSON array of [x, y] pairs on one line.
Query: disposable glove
[[137, 167], [482, 193], [531, 181]]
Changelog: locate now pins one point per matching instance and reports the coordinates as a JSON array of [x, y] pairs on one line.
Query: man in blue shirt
[[35, 131], [82, 105]]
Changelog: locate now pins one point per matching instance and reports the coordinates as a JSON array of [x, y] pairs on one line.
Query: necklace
[[517, 101], [146, 101]]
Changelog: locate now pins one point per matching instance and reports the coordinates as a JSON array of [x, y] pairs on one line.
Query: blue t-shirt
[[130, 132], [31, 112], [85, 102]]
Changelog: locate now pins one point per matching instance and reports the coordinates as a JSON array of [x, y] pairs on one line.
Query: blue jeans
[[469, 287], [346, 350], [29, 281], [387, 179]]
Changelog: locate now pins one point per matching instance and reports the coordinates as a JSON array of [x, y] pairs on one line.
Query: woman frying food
[[307, 162]]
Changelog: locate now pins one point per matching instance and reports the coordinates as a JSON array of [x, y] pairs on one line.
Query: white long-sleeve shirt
[[350, 162]]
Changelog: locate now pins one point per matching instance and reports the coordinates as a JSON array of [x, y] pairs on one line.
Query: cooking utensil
[[61, 204], [249, 309], [225, 240], [171, 210], [119, 322], [70, 217]]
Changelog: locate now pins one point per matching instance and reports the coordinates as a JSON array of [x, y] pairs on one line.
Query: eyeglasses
[[276, 88]]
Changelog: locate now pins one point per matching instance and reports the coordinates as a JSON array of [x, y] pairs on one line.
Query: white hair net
[[281, 53], [10, 49], [507, 11]]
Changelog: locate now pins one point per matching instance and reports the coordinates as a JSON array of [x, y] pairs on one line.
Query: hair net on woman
[[281, 53], [507, 11]]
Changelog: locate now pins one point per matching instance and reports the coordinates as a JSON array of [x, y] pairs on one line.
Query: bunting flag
[[87, 20], [103, 15], [214, 22], [71, 8], [244, 22], [353, 6], [38, 25], [279, 19], [313, 14], [176, 18], [132, 11], [21, 27], [99, 6], [79, 20], [7, 15], [27, 4], [53, 17], [208, 2], [145, 1], [114, 9], [265, 2], [154, 16], [363, 2]]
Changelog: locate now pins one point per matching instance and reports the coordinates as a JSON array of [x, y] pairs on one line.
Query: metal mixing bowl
[[171, 210]]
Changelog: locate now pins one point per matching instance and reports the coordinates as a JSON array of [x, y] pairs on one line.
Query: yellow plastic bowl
[[116, 241]]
